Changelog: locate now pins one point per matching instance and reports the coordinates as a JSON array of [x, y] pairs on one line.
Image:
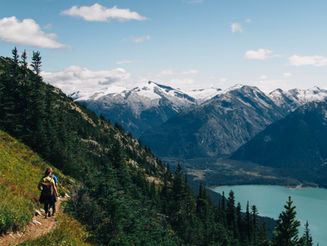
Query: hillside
[[20, 172], [125, 194], [296, 144]]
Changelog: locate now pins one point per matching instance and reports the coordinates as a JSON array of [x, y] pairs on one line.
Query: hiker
[[48, 192], [53, 205]]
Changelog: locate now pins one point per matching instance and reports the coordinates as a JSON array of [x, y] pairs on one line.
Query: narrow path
[[36, 228]]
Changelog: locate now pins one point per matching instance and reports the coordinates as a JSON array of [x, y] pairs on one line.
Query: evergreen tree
[[286, 231], [240, 223], [15, 56], [23, 61], [254, 225], [306, 239], [36, 62], [230, 212], [248, 222]]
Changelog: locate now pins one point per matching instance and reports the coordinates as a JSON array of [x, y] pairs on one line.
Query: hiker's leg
[[53, 208], [46, 208]]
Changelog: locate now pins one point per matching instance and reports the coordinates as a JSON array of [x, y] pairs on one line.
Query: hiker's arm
[[55, 188], [42, 184]]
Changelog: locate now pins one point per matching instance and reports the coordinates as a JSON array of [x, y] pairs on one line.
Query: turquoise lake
[[311, 204]]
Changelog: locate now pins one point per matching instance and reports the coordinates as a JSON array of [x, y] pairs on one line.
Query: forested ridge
[[125, 195]]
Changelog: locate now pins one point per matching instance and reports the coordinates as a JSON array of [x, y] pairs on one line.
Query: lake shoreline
[[310, 202]]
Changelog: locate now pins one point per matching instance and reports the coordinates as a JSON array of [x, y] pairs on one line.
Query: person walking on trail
[[53, 205], [48, 192]]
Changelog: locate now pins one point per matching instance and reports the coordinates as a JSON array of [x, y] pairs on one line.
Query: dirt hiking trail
[[36, 228]]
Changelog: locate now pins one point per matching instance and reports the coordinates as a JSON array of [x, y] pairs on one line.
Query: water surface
[[311, 204]]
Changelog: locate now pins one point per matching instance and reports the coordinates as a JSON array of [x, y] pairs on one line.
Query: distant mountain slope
[[217, 127], [298, 142], [143, 107], [291, 99]]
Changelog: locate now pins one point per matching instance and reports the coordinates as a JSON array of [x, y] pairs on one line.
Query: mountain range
[[143, 107], [198, 123]]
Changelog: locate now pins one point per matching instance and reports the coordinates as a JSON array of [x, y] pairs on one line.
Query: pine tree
[[15, 56], [248, 222], [36, 62], [286, 231], [306, 239], [230, 212], [254, 220], [23, 61]]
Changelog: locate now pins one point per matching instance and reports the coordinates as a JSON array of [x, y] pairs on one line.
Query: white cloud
[[124, 62], [248, 20], [316, 61], [174, 73], [287, 74], [260, 54], [48, 27], [97, 12], [236, 27], [140, 39], [27, 32], [76, 78], [263, 77]]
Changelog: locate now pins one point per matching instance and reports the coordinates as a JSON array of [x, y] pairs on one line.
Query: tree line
[[115, 199]]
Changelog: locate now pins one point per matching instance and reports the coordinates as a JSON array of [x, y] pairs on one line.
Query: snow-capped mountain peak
[[296, 97]]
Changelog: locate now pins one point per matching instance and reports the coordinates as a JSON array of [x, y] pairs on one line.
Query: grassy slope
[[20, 172]]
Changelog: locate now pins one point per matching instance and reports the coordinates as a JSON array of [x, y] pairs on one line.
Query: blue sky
[[183, 43]]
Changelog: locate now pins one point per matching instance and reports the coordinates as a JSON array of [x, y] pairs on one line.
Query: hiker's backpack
[[47, 192], [47, 189]]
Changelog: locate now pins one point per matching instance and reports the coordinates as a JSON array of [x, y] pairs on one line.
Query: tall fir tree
[[286, 230], [36, 62], [306, 239], [23, 61], [15, 56]]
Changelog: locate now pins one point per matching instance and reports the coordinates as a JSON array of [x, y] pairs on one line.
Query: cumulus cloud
[[76, 78], [124, 62], [27, 32], [97, 12], [316, 61], [140, 39], [260, 54], [236, 27]]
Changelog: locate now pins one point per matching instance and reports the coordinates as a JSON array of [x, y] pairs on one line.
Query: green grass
[[20, 172], [68, 233]]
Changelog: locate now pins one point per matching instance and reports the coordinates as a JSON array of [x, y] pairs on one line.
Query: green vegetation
[[20, 172], [125, 195], [286, 232], [69, 232]]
